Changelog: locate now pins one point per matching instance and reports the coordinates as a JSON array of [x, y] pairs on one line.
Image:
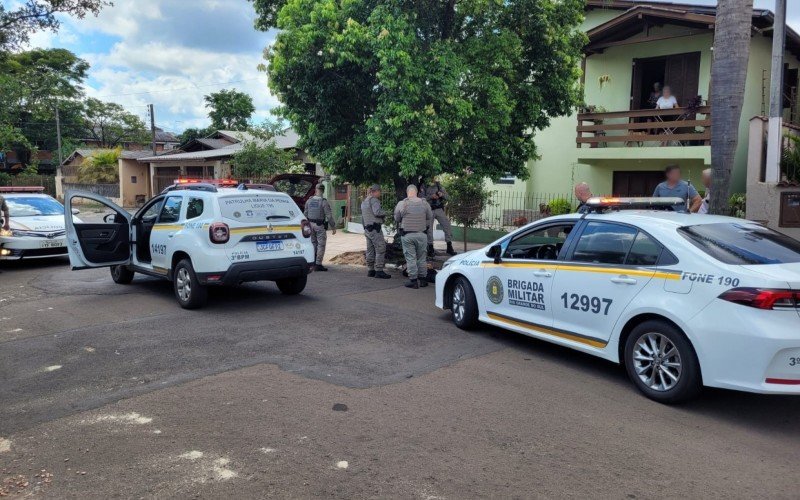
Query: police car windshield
[[24, 206], [743, 244]]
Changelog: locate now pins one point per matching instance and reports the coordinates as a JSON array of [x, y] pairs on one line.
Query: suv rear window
[[741, 244]]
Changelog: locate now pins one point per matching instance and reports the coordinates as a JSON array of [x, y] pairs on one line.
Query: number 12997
[[585, 303]]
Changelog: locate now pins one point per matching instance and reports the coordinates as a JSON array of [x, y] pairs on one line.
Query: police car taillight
[[762, 298], [219, 232], [306, 228]]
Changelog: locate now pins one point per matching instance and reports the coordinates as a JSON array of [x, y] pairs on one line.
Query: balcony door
[[680, 71]]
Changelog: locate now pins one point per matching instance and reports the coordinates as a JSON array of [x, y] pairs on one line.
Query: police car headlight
[[4, 232], [448, 262]]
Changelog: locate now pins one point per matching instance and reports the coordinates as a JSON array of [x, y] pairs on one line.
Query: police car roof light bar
[[21, 189], [199, 186], [600, 204]]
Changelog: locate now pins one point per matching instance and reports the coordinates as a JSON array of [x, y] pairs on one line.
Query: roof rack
[[199, 186], [604, 204], [21, 189]]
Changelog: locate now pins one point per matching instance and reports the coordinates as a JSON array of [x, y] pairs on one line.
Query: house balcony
[[638, 137]]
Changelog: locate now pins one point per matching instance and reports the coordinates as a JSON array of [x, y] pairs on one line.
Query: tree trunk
[[728, 76]]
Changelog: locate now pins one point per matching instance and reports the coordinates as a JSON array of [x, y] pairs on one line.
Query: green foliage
[[25, 18], [738, 205], [389, 91], [230, 109], [11, 138], [259, 157], [559, 206], [102, 167], [5, 179], [111, 125], [467, 199], [790, 158], [190, 134]]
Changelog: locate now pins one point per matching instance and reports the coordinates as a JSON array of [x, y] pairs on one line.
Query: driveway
[[357, 388]]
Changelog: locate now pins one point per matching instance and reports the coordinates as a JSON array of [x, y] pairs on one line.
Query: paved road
[[358, 388]]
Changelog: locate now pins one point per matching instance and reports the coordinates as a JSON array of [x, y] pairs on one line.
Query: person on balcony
[[667, 100], [675, 187], [655, 95]]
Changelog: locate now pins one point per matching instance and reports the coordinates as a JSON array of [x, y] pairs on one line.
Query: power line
[[177, 89]]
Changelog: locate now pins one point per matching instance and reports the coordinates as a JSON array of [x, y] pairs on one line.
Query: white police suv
[[36, 227], [682, 300], [198, 234]]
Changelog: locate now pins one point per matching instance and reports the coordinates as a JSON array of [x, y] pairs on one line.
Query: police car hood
[[787, 273], [43, 223]]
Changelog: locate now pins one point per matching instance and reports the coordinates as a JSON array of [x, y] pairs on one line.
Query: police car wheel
[[463, 306], [661, 362], [188, 290], [121, 275], [292, 286]]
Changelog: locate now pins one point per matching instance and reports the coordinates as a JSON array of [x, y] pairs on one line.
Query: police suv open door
[[101, 243]]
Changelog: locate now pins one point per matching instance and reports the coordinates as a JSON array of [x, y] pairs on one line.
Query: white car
[[36, 227], [197, 235], [682, 300]]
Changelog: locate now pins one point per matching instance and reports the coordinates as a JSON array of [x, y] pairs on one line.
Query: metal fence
[[107, 190], [48, 182], [505, 211]]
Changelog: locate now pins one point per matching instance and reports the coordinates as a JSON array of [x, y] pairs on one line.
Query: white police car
[[36, 227], [197, 234], [682, 300]]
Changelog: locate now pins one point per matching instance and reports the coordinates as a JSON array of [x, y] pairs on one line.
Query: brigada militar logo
[[494, 289]]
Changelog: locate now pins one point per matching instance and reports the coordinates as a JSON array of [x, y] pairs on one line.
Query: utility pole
[[152, 127], [775, 134], [58, 137]]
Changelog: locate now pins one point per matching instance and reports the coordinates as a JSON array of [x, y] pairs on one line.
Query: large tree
[[388, 90], [728, 75], [229, 109], [111, 125], [30, 16]]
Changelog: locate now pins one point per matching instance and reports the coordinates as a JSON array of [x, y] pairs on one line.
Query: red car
[[299, 186]]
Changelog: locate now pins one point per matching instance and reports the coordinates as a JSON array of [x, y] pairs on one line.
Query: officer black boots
[[431, 251], [371, 273], [320, 267], [412, 284], [382, 275], [450, 250]]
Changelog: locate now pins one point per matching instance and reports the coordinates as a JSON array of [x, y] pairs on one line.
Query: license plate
[[269, 246], [52, 244]]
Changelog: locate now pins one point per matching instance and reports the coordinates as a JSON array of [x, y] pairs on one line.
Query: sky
[[173, 52]]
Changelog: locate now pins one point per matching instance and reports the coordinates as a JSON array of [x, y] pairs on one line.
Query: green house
[[618, 143]]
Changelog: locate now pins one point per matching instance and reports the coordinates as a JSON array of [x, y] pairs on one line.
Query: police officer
[[436, 196], [372, 216], [414, 216], [319, 214]]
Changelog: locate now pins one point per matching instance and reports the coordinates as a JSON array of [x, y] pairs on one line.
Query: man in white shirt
[[707, 197], [667, 100]]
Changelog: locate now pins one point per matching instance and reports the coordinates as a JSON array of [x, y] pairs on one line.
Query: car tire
[[121, 275], [661, 362], [463, 305], [188, 290], [292, 286]]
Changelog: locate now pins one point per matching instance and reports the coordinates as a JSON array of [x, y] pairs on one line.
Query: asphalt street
[[357, 388]]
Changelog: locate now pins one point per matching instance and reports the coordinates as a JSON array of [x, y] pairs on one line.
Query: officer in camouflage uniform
[[372, 217], [436, 196], [5, 213], [414, 215], [319, 214]]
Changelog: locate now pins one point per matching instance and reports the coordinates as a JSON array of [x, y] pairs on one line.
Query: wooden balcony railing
[[664, 127]]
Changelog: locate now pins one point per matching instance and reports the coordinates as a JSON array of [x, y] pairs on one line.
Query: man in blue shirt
[[675, 187]]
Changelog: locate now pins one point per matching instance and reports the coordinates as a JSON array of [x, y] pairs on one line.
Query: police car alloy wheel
[[188, 290], [662, 363], [464, 307], [121, 275]]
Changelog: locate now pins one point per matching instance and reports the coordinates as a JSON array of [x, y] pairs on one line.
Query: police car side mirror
[[495, 252], [75, 211], [110, 218]]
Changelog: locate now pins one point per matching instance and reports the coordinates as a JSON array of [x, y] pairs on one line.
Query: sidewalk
[[342, 242]]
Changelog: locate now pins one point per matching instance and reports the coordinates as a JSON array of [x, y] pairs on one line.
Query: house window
[[133, 179], [507, 179]]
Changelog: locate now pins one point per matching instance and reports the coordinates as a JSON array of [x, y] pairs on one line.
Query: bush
[[102, 167], [738, 205], [5, 179], [560, 206], [467, 199]]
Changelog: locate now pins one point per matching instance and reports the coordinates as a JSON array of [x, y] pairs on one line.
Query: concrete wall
[[134, 179]]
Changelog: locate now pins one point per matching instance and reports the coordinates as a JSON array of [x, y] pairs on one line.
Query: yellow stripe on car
[[670, 275], [264, 228], [548, 331]]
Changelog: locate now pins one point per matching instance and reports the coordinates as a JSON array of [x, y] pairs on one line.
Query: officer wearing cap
[[414, 215], [372, 215], [319, 214]]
